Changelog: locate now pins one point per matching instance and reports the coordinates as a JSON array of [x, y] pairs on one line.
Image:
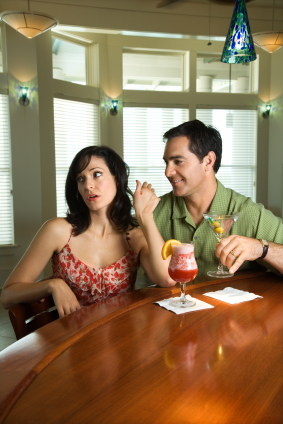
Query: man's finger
[[236, 265]]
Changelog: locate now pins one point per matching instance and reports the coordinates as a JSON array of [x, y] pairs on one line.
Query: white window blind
[[6, 198], [144, 146], [76, 126], [238, 129]]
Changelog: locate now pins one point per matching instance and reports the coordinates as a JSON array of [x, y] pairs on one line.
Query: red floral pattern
[[93, 285]]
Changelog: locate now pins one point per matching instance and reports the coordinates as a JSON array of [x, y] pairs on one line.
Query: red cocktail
[[182, 275], [183, 268]]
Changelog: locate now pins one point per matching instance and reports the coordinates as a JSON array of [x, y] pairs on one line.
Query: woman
[[96, 250]]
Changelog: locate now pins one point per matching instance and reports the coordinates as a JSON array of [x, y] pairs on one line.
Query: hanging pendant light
[[239, 46], [269, 40], [30, 24]]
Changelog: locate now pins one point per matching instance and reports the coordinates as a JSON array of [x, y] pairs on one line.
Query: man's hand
[[238, 249]]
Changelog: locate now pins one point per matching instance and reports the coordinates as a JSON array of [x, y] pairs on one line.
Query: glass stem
[[220, 266], [183, 296]]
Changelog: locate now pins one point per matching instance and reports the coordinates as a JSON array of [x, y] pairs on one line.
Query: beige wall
[[32, 127]]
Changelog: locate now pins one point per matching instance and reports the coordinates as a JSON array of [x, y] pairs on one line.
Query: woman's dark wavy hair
[[120, 213], [203, 139]]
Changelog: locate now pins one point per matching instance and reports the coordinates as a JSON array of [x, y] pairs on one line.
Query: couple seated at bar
[[96, 250]]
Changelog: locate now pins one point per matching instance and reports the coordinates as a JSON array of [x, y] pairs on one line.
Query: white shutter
[[76, 126], [144, 146], [6, 198], [238, 129]]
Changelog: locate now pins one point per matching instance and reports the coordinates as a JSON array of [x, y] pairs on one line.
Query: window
[[6, 198], [69, 61], [143, 143], [153, 71], [215, 76], [238, 129], [76, 126]]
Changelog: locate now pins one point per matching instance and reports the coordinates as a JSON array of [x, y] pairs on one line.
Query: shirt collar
[[219, 203], [179, 208]]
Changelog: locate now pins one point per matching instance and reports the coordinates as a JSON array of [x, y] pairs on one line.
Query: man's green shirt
[[174, 222]]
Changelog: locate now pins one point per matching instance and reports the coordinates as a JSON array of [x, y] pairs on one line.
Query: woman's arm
[[21, 286], [150, 240]]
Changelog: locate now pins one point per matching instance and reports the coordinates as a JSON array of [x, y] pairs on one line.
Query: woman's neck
[[101, 224]]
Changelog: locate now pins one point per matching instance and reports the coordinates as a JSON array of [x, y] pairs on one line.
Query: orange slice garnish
[[167, 248]]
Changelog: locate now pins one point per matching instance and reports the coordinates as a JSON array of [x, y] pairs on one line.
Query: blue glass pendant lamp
[[239, 46]]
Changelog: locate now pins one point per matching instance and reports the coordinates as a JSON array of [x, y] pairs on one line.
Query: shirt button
[[196, 237]]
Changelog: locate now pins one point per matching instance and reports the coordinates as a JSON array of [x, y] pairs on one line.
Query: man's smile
[[176, 181]]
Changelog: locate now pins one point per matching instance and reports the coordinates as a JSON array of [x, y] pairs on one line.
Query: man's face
[[183, 169]]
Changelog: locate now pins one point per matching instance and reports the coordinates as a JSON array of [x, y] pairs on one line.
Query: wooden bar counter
[[130, 361]]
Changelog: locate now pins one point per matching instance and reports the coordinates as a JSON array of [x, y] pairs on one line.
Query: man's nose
[[169, 171]]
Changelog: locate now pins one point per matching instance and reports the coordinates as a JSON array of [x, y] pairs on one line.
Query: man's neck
[[200, 201]]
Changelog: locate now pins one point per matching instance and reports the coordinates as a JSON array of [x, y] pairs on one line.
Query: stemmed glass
[[220, 225], [183, 268]]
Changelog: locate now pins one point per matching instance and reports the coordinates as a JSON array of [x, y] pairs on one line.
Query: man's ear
[[209, 160]]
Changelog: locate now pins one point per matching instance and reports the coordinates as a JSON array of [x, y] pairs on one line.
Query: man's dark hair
[[203, 139], [120, 213]]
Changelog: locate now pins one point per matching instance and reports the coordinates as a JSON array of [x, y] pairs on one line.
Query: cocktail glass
[[220, 225], [182, 269]]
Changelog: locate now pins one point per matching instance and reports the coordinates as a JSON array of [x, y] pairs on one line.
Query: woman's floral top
[[91, 285]]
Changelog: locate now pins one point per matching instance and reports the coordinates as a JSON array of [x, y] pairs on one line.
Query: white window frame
[[146, 163], [243, 144], [7, 237], [74, 135]]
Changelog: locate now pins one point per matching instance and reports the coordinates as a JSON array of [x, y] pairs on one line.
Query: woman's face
[[96, 184]]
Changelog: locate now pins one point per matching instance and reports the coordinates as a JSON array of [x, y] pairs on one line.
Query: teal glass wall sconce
[[239, 46], [266, 112], [24, 100], [114, 109]]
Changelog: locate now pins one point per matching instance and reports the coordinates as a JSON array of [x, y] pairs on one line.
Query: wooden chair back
[[23, 312]]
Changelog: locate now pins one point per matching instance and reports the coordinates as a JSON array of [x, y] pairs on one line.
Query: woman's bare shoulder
[[57, 228], [57, 224], [137, 239], [135, 232]]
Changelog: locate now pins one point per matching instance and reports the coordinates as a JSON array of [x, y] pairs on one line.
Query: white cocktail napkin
[[198, 306], [232, 296]]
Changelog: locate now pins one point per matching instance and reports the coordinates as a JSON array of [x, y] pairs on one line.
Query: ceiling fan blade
[[164, 3]]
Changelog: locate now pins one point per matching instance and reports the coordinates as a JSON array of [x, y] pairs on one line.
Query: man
[[193, 156]]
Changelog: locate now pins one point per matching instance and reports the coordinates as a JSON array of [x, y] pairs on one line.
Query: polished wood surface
[[131, 361]]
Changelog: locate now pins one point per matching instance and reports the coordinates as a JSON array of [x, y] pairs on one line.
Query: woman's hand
[[145, 200], [64, 299]]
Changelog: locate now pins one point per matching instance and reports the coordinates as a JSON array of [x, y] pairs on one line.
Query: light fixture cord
[[209, 21]]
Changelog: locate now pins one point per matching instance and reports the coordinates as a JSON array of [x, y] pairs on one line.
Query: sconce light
[[267, 111], [24, 100], [114, 109]]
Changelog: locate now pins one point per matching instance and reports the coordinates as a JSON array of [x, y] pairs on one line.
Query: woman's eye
[[79, 179], [177, 162], [97, 174]]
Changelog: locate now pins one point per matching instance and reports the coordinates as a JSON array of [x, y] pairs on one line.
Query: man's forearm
[[274, 256]]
